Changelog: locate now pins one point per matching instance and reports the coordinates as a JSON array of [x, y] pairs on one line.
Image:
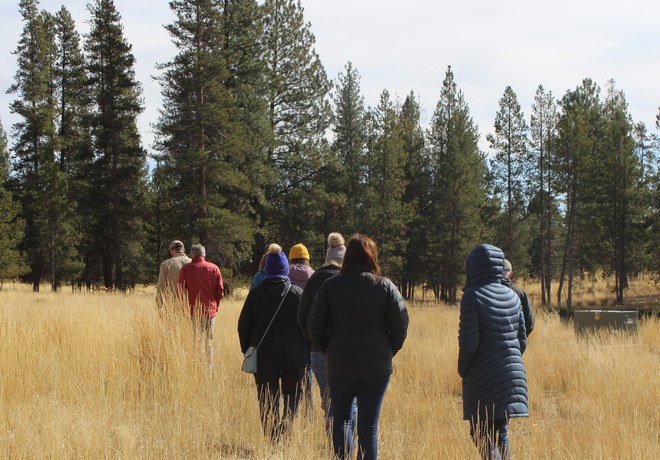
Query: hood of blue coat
[[484, 265]]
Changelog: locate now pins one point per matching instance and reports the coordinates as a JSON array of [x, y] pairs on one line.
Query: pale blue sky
[[403, 46]]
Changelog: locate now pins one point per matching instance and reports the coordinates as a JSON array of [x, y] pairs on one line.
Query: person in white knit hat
[[334, 257]]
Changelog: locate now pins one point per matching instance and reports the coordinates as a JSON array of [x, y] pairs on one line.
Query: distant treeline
[[255, 144]]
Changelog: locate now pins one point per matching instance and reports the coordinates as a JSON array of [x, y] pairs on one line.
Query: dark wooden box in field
[[586, 320]]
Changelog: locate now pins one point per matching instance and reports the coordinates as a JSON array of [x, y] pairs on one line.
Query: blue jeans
[[369, 392], [309, 406], [317, 362], [484, 433]]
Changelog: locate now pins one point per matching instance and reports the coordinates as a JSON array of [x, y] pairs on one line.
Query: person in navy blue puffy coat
[[491, 341]]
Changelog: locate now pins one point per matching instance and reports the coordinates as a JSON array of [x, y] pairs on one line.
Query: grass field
[[643, 293], [107, 375]]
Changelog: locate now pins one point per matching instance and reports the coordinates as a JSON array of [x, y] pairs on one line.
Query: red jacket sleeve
[[220, 289]]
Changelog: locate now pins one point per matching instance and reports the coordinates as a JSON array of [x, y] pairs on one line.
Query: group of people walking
[[344, 322], [197, 282]]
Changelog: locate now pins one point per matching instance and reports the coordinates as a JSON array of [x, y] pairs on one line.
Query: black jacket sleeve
[[397, 318], [303, 311], [245, 324], [527, 312], [317, 322]]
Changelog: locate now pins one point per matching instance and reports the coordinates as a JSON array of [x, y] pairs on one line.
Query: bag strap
[[286, 291]]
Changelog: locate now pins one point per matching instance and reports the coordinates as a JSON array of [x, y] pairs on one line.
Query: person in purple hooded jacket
[[299, 272], [299, 268]]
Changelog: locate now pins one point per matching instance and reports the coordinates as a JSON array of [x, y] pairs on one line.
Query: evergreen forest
[[256, 144]]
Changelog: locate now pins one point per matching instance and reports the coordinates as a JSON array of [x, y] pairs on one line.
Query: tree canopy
[[255, 144]]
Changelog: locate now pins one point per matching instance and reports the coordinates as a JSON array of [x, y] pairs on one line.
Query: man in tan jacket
[[169, 272]]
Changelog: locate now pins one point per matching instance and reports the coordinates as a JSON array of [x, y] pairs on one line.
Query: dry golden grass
[[599, 292], [104, 375]]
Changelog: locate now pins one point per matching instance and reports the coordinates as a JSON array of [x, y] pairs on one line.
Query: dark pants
[[484, 434], [369, 393], [269, 391]]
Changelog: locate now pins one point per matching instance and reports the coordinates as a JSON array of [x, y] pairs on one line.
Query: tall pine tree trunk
[[53, 279], [201, 144], [107, 267], [119, 267], [37, 270], [543, 264], [542, 208], [571, 246], [510, 251], [621, 241], [567, 254], [547, 244]]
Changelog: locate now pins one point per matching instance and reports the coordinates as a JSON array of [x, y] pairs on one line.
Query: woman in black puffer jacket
[[491, 341], [359, 320], [283, 353]]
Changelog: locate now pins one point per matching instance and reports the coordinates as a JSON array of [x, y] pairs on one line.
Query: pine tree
[[248, 172], [215, 80], [73, 101], [644, 149], [543, 125], [4, 155], [458, 190], [623, 200], [579, 129], [349, 143], [11, 233], [385, 215], [652, 224], [297, 85], [191, 87], [245, 51], [299, 115], [509, 168], [74, 138], [34, 134], [38, 181], [119, 169], [11, 227], [417, 184]]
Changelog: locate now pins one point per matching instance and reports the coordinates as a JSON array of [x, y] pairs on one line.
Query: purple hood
[[299, 274]]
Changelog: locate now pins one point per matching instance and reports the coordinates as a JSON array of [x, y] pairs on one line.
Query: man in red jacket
[[201, 283]]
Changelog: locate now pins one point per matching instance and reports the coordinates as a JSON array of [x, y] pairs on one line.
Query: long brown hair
[[361, 250]]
